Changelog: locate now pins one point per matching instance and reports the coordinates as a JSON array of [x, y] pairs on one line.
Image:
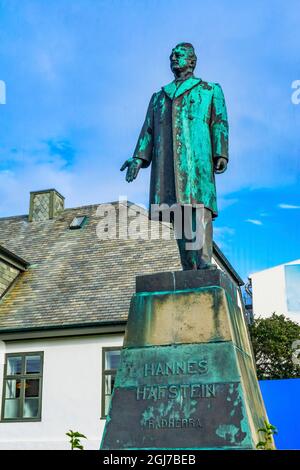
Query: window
[[110, 364], [78, 222], [22, 387]]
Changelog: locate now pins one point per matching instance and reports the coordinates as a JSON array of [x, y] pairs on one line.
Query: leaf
[[260, 445], [75, 437]]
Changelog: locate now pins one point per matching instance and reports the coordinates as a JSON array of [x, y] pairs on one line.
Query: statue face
[[181, 60]]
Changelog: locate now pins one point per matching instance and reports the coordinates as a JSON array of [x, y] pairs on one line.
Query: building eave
[[12, 259], [54, 331], [222, 258]]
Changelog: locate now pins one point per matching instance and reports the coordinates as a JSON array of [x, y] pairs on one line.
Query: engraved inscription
[[169, 392], [173, 405], [172, 423], [176, 368]]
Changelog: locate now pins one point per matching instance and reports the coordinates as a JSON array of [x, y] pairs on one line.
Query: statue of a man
[[185, 137]]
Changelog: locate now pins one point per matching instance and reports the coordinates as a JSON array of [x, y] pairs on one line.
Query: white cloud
[[223, 236], [254, 221], [288, 206], [224, 202], [264, 214], [224, 231]]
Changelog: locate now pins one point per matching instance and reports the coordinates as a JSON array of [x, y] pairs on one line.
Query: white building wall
[[269, 293], [268, 288], [71, 397]]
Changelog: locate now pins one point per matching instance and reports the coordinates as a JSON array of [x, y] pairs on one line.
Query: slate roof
[[74, 278]]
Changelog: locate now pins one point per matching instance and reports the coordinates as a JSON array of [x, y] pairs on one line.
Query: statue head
[[183, 59]]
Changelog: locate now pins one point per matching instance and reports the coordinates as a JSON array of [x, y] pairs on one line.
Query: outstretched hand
[[133, 166], [220, 165]]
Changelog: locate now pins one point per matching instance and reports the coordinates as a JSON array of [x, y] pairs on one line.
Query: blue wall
[[282, 400]]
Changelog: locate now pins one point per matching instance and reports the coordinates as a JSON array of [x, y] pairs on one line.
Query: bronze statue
[[185, 137]]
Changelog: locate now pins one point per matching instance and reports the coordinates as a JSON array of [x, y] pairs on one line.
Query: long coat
[[185, 129]]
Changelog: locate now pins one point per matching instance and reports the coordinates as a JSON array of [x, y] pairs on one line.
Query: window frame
[[106, 372], [23, 376]]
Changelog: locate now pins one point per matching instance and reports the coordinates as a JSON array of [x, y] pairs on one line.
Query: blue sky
[[79, 75]]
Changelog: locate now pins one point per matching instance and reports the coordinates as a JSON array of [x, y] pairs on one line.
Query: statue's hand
[[133, 166], [220, 165]]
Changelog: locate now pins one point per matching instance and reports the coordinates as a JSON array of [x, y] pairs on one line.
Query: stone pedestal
[[187, 378]]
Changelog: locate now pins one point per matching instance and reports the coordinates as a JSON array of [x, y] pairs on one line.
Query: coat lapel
[[170, 89], [173, 92]]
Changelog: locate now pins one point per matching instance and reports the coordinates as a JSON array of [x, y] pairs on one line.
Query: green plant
[[75, 439], [268, 432]]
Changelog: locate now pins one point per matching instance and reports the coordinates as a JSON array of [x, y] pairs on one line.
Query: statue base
[[187, 378]]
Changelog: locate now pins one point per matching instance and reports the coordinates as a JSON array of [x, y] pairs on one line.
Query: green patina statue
[[185, 137]]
